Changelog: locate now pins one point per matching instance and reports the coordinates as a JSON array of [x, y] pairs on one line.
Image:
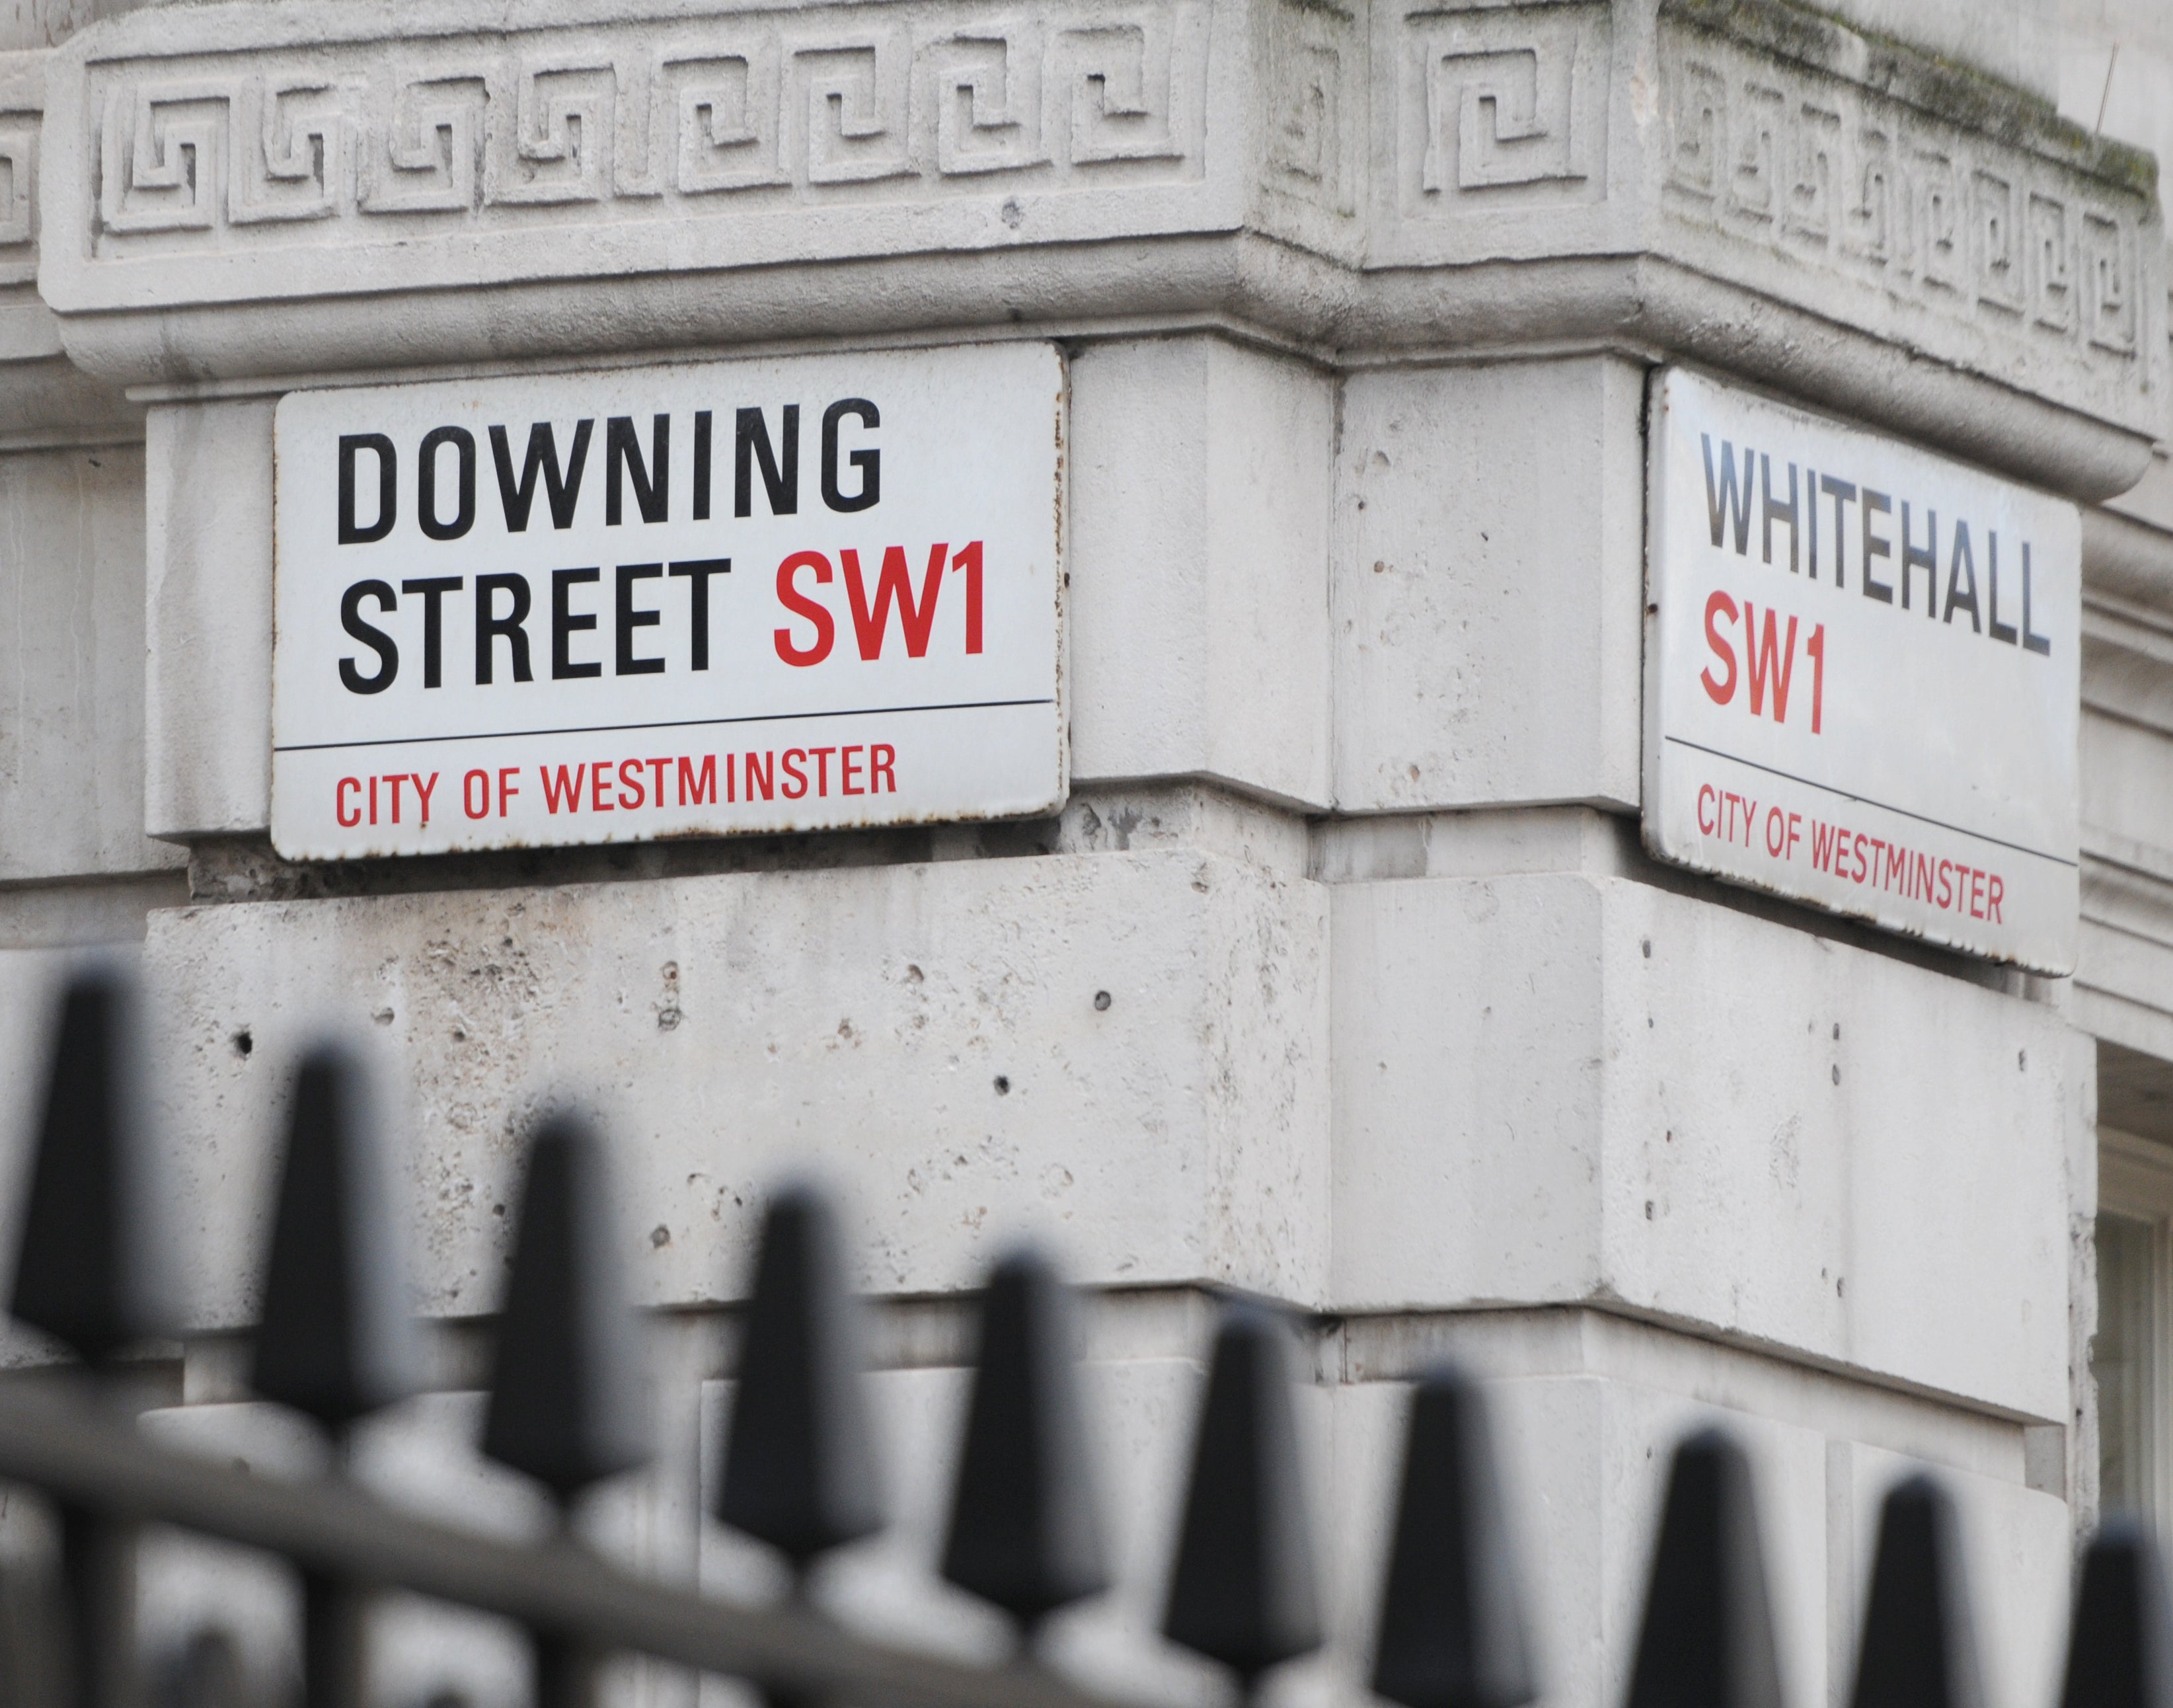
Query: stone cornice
[[2127, 620], [45, 399], [1935, 88], [2127, 562], [258, 189], [1944, 210]]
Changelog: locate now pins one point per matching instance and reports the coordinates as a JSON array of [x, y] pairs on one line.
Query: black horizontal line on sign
[[1922, 818], [317, 747]]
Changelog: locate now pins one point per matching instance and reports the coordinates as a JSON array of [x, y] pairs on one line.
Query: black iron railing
[[336, 1342]]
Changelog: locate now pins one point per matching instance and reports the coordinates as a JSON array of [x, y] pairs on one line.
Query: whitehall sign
[[751, 596], [1862, 669]]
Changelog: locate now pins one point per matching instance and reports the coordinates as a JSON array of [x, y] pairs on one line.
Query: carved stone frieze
[[446, 142], [1299, 164], [20, 120], [44, 398], [18, 177], [1316, 93], [2024, 242], [1503, 107], [1494, 134]]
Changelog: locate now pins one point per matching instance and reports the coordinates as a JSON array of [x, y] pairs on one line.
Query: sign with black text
[[1863, 665], [793, 594]]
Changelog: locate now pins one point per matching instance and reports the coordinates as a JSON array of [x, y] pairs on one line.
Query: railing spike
[[1452, 1626], [1243, 1591], [2120, 1650], [337, 1340], [207, 1672], [1026, 1532], [33, 1620], [800, 1465], [90, 1269], [566, 1397], [1707, 1637], [1919, 1649]]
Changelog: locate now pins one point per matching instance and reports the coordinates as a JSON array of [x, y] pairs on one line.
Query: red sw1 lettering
[[871, 627], [1771, 657], [916, 616]]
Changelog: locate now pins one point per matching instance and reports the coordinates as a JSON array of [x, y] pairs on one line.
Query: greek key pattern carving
[[641, 123], [1314, 54], [1504, 107], [1841, 177], [19, 178]]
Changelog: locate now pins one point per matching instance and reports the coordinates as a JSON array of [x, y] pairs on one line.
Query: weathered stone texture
[[928, 1035], [1554, 1087], [72, 667], [214, 172], [1487, 629], [207, 685], [1199, 563]]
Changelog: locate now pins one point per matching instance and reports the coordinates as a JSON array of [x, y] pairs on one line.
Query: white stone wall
[[1403, 1029]]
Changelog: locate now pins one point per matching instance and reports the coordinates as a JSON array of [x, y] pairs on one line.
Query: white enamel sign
[[1861, 678], [750, 595]]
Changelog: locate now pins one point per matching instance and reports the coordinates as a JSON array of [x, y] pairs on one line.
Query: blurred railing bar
[[51, 1439], [800, 1472]]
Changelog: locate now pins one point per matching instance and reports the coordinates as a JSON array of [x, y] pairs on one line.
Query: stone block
[[931, 1036], [1585, 1463], [2017, 1552], [1559, 1087], [80, 912], [2126, 772], [1489, 569], [71, 674], [1198, 600], [2124, 959], [207, 685]]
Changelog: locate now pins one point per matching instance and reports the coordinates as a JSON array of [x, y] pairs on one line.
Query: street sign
[[1862, 675], [794, 594]]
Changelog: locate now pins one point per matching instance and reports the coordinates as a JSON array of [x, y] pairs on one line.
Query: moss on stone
[[1945, 88]]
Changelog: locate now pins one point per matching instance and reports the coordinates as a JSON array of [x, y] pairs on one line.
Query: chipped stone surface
[[929, 1035]]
